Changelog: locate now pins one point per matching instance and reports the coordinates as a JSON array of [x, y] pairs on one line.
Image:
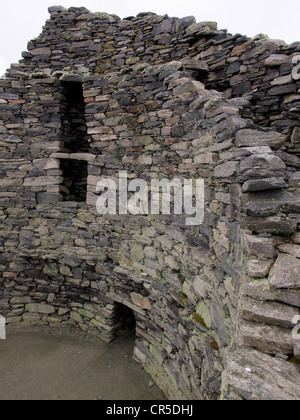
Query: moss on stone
[[199, 319], [183, 297], [204, 312], [294, 360], [137, 253], [214, 345]]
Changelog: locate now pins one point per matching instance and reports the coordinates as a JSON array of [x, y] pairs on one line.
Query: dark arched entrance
[[123, 320]]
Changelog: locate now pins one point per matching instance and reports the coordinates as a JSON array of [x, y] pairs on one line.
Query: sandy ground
[[64, 366]]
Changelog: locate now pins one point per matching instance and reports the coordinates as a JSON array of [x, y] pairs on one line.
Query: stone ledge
[[251, 375]]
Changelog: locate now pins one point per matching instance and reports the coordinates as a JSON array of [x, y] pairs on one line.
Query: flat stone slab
[[286, 272], [266, 338], [271, 313], [254, 245], [254, 376], [258, 269], [250, 138]]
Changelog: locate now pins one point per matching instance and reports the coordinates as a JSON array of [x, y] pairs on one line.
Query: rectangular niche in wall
[[73, 117], [75, 173]]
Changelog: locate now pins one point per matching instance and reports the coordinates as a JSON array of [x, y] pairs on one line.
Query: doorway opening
[[124, 320]]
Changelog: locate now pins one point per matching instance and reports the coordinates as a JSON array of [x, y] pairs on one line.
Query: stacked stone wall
[[214, 304]]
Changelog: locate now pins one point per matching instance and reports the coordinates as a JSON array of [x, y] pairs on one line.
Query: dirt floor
[[64, 366]]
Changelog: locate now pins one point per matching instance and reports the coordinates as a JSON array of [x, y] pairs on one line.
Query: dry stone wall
[[213, 304]]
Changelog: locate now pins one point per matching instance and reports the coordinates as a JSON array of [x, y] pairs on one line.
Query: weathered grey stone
[[55, 9], [43, 181], [41, 51], [258, 269], [75, 316], [6, 183], [264, 184], [269, 203], [226, 170], [270, 225], [254, 376], [285, 273], [261, 247], [165, 27], [267, 339], [263, 166], [48, 198], [21, 300], [261, 290], [294, 180], [40, 308], [276, 60], [163, 103], [51, 164], [206, 158], [295, 137], [296, 238], [199, 27], [141, 357], [219, 323], [271, 313], [283, 80], [184, 23], [296, 348], [290, 249], [141, 301], [250, 138], [195, 64]]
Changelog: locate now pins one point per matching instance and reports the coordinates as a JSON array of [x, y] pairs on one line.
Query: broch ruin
[[214, 306]]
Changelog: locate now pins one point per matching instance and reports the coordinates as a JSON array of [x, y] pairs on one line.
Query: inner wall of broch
[[158, 97]]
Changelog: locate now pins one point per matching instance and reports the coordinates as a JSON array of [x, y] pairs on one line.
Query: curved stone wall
[[214, 304]]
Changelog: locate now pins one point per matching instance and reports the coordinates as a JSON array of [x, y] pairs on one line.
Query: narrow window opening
[[75, 173], [199, 75], [74, 123], [203, 76]]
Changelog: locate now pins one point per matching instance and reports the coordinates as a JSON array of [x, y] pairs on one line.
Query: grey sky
[[22, 20]]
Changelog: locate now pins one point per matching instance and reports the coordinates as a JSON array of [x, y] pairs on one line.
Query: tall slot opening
[[74, 124], [75, 173], [75, 139]]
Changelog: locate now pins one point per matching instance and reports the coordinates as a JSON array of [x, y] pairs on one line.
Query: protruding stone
[[141, 301], [262, 247], [286, 272], [276, 60], [55, 9], [291, 249], [250, 138], [255, 376], [258, 269], [271, 313], [264, 184], [200, 27], [41, 51], [268, 339], [264, 166]]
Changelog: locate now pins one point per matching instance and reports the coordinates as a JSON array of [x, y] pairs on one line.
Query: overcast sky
[[22, 20]]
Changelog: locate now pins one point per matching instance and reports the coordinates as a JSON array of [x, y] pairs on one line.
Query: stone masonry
[[157, 97]]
